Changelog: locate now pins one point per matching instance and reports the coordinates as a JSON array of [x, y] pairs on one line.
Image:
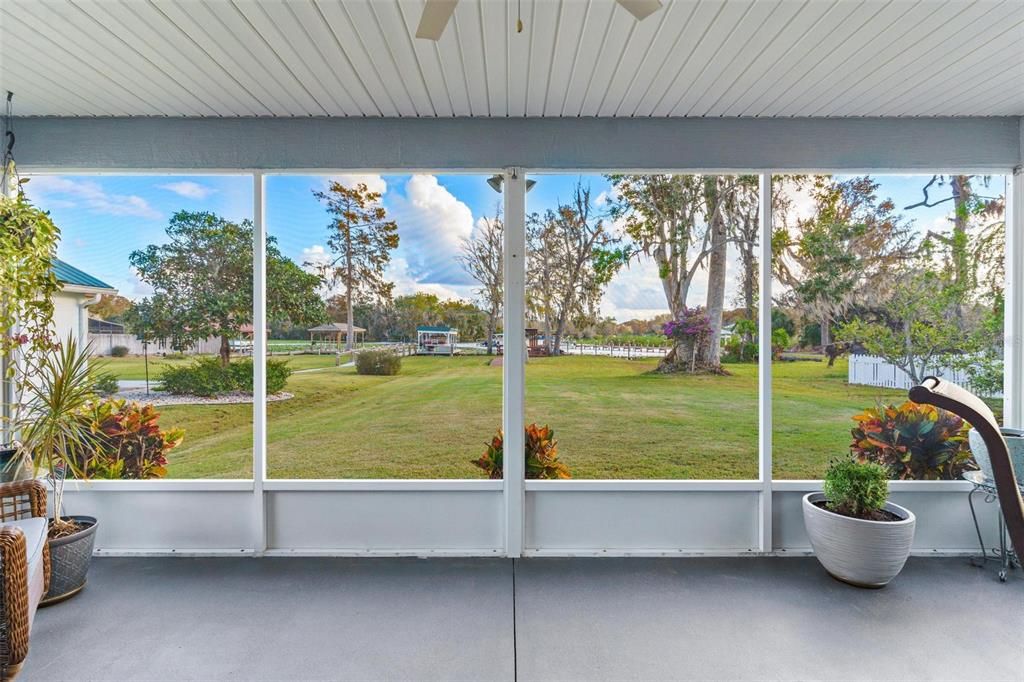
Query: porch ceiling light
[[496, 181]]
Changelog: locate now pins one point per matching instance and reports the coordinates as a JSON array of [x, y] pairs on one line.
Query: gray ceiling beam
[[585, 144]]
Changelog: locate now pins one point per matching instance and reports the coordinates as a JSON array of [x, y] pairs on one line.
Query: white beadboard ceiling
[[763, 58]]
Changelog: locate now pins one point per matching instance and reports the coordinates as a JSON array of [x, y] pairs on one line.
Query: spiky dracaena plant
[[58, 388]]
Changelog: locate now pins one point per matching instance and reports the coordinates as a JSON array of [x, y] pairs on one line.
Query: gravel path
[[158, 398]]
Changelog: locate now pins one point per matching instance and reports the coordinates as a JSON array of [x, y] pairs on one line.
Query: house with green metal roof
[[73, 279], [78, 291]]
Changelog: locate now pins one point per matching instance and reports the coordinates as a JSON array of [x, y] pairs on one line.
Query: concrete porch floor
[[575, 619]]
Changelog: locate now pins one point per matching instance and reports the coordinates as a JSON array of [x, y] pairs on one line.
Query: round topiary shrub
[[119, 351], [857, 489]]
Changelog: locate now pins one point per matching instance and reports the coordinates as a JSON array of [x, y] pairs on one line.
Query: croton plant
[[541, 455], [129, 443], [916, 442]]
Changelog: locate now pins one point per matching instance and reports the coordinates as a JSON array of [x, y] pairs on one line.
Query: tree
[[660, 214], [969, 254], [845, 252], [917, 326], [293, 296], [362, 238], [744, 211], [685, 223], [471, 321], [111, 308], [202, 283], [573, 257], [482, 257], [414, 310], [730, 210]]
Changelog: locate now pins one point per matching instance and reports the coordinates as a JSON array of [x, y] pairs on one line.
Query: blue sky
[[105, 217]]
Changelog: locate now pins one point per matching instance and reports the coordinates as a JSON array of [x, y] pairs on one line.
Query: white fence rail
[[871, 370], [616, 351]]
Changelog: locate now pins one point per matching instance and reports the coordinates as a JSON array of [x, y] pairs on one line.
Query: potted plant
[[857, 534], [540, 449], [28, 242], [54, 434]]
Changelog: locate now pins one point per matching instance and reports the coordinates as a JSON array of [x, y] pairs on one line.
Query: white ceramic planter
[[859, 552]]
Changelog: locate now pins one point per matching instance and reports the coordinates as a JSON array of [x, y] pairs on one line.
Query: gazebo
[[436, 340], [333, 333]]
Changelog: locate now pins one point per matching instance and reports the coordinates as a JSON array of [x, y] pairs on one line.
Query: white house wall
[[67, 315]]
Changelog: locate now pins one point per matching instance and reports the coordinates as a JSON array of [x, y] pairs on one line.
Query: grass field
[[613, 418]]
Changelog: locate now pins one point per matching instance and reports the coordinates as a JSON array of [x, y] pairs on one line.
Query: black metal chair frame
[[952, 398]]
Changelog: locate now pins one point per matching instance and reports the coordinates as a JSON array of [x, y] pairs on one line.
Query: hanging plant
[[28, 244]]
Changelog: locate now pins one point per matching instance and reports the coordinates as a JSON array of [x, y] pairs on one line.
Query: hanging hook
[[9, 171], [9, 124]]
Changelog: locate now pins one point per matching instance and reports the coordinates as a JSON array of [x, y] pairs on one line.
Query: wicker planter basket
[[70, 557]]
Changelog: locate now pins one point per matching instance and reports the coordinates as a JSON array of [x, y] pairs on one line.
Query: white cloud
[[397, 272], [431, 226], [314, 256], [802, 202], [373, 182], [313, 259], [607, 196], [406, 283], [635, 293], [91, 195], [189, 190], [136, 288]]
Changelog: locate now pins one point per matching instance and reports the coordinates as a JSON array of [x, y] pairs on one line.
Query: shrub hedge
[[206, 377], [119, 351], [105, 384], [381, 362]]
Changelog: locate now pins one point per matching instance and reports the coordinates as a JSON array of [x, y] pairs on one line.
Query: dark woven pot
[[70, 557], [9, 472]]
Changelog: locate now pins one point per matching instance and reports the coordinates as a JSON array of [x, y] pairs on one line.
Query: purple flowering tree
[[689, 333]]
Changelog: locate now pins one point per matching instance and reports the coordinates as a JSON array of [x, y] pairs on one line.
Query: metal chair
[[24, 568], [961, 402]]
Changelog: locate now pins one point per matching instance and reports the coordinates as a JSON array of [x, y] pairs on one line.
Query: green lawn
[[613, 418]]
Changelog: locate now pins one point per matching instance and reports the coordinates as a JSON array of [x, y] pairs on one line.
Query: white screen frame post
[[259, 350], [764, 374], [1013, 349], [513, 364]]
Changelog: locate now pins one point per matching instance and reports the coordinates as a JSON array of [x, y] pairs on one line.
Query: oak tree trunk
[[717, 263], [225, 351]]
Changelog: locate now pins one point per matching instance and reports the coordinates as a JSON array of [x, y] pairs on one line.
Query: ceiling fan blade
[[641, 9], [436, 14]]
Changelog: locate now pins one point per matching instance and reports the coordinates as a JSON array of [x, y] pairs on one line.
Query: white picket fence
[[870, 370], [613, 350]]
